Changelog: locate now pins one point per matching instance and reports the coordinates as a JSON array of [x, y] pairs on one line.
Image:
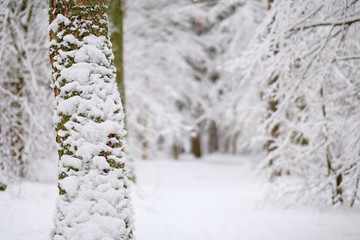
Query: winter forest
[[179, 119]]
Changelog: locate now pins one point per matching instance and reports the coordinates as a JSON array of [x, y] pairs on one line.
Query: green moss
[[60, 125], [61, 191], [62, 175], [117, 145], [114, 164], [68, 152], [64, 148], [69, 60], [72, 94], [72, 168], [61, 153]]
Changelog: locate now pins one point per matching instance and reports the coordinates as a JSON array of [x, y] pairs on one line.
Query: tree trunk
[[196, 145], [272, 108], [116, 14], [213, 138], [337, 195], [15, 84], [270, 2], [93, 184], [176, 149]]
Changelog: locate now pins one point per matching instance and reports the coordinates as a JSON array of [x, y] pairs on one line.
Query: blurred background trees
[[25, 107], [302, 65], [279, 78], [174, 57]]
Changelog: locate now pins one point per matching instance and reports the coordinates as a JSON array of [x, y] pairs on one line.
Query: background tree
[[93, 186], [311, 51], [116, 9], [25, 119], [180, 82]]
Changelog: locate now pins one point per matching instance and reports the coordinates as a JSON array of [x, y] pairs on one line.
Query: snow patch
[[70, 184], [60, 19]]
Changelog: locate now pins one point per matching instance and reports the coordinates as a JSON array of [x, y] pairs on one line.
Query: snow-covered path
[[216, 198], [220, 198]]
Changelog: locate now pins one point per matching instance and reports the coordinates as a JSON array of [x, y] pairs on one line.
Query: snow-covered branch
[[340, 22]]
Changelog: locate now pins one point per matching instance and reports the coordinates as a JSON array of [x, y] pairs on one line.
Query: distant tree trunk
[[116, 14], [143, 136], [3, 186], [17, 130], [15, 85], [269, 4], [196, 145], [176, 149], [337, 195], [93, 184], [272, 108], [116, 17], [17, 89], [273, 103], [144, 147], [213, 137]]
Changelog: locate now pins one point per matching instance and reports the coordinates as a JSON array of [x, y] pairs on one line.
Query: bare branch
[[348, 21], [346, 58]]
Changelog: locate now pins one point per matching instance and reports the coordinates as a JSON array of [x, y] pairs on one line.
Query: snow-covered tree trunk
[[94, 195]]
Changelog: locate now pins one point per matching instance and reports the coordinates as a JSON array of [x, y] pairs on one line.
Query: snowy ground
[[217, 198]]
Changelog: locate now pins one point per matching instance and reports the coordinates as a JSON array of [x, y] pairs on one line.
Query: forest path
[[218, 197]]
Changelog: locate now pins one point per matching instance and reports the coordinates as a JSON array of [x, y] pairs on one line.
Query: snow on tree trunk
[[93, 187]]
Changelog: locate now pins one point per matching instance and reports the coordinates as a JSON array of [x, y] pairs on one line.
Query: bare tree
[[25, 119]]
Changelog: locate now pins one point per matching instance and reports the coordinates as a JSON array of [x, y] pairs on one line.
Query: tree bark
[[116, 14], [93, 184], [196, 145]]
